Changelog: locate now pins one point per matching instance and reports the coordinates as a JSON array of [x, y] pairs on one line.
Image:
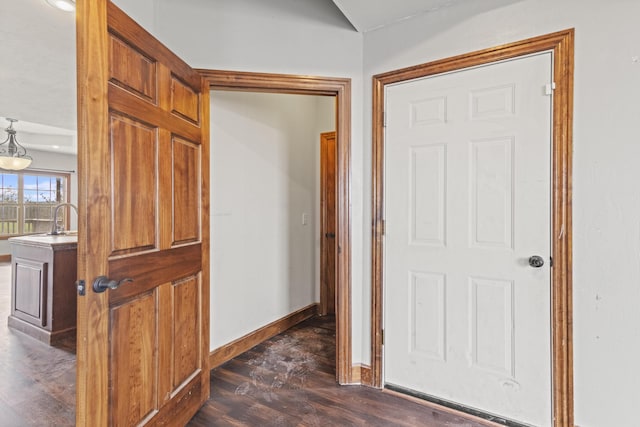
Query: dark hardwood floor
[[287, 381], [37, 382], [290, 381]]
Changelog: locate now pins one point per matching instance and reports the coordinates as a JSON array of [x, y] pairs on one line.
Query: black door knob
[[536, 261], [103, 283]]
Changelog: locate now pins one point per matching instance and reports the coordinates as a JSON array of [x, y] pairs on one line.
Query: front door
[[467, 239], [143, 192]]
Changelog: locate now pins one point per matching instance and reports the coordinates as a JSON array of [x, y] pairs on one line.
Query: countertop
[[57, 242]]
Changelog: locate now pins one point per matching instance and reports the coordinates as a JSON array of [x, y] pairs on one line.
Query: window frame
[[21, 204]]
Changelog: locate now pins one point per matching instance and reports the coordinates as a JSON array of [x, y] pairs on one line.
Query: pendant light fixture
[[13, 156]]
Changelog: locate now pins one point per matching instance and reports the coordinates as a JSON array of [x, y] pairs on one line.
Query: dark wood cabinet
[[43, 294]]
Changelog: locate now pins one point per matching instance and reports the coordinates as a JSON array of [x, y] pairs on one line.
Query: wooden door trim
[[93, 125], [562, 45], [341, 89]]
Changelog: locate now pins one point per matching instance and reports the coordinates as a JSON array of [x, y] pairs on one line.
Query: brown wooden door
[[143, 193], [328, 245]]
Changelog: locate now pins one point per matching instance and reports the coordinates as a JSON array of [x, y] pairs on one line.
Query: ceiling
[[367, 15], [38, 72]]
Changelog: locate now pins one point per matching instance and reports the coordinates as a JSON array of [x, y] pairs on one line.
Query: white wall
[[57, 162], [264, 178], [303, 37], [606, 173]]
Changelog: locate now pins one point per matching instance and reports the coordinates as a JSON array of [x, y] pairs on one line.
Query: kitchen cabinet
[[43, 293]]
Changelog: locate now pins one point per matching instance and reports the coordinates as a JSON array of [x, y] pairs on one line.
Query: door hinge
[[550, 261], [383, 227], [384, 119], [382, 337], [549, 88]]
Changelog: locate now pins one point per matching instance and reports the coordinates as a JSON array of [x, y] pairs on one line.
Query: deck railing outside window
[[28, 199]]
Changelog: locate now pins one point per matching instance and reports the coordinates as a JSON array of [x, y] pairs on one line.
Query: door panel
[[186, 330], [428, 191], [146, 167], [186, 191], [467, 202], [132, 351], [134, 218], [131, 69], [184, 101]]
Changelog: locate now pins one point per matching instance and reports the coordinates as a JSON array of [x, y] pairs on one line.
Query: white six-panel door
[[467, 203]]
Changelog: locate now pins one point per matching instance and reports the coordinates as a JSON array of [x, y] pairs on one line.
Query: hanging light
[[66, 5], [13, 156]]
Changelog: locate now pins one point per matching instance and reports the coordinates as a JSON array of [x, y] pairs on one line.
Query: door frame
[[561, 44], [320, 86], [324, 250]]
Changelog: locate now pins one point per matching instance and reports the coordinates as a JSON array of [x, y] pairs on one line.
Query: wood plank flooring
[[37, 382], [287, 381], [290, 381]]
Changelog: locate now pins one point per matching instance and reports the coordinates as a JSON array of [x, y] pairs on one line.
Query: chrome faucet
[[54, 226]]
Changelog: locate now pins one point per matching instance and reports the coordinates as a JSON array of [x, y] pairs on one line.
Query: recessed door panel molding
[[186, 331], [428, 313], [133, 351], [492, 325], [428, 194], [185, 101], [492, 186], [134, 174], [132, 70], [186, 191], [432, 111], [493, 102], [30, 291]]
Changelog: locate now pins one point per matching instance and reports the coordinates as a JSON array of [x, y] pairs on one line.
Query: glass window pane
[[30, 182], [10, 180], [31, 211], [37, 218], [9, 219], [30, 196], [46, 182], [8, 188]]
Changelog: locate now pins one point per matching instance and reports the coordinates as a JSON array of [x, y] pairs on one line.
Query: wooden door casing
[[143, 168], [341, 89], [328, 158]]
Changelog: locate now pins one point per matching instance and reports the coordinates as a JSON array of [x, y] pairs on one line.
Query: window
[[28, 199]]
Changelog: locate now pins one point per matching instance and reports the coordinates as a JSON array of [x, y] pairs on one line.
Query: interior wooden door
[[328, 158], [143, 193]]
